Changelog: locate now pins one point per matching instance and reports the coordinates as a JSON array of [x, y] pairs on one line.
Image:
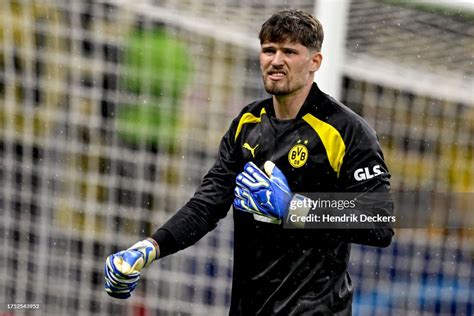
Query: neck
[[287, 106]]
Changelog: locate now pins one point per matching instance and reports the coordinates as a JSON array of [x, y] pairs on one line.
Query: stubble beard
[[274, 88]]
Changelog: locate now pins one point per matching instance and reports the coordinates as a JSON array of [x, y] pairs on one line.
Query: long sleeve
[[364, 171], [210, 203]]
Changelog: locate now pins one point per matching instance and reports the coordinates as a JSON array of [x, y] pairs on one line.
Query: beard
[[279, 88], [276, 88]]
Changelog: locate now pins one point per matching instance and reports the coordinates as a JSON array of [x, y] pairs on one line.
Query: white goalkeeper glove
[[122, 269]]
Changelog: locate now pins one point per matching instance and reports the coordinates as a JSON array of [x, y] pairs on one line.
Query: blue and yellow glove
[[265, 194], [122, 269]]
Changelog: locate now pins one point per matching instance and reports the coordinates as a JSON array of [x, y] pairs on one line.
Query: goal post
[[333, 17]]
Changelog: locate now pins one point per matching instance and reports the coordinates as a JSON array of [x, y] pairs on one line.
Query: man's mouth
[[276, 75]]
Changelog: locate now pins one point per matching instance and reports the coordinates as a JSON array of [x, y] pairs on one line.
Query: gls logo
[[365, 173]]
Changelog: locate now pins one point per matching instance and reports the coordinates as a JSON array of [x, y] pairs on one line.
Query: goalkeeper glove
[[263, 193], [122, 269]]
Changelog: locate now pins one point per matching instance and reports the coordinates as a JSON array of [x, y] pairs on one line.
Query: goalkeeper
[[298, 140]]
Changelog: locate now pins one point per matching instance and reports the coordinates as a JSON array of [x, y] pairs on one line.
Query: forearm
[[188, 226], [165, 241]]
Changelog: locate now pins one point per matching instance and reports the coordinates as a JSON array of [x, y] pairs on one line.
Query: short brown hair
[[295, 26]]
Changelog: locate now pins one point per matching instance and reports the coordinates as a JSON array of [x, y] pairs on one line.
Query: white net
[[111, 112]]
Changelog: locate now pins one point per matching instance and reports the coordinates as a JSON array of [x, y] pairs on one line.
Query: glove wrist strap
[[157, 247]]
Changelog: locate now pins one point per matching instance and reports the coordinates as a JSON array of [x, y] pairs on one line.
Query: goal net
[[112, 111]]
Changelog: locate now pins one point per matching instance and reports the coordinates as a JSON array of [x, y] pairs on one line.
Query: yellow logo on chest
[[298, 155], [249, 148]]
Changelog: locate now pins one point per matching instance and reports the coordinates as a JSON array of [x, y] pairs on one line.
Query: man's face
[[287, 67]]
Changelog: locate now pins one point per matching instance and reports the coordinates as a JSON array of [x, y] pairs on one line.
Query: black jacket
[[277, 270]]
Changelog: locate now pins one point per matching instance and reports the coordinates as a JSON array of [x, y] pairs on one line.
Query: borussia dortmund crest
[[298, 154]]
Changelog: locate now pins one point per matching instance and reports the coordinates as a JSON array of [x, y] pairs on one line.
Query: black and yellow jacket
[[277, 270]]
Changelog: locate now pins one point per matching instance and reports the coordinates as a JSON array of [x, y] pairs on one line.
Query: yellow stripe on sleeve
[[332, 141], [248, 118]]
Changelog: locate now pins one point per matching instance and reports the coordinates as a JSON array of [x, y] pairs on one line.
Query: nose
[[277, 60]]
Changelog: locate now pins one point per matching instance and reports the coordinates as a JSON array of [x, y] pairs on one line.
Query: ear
[[316, 60]]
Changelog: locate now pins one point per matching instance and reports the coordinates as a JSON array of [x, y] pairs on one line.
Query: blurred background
[[112, 111]]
